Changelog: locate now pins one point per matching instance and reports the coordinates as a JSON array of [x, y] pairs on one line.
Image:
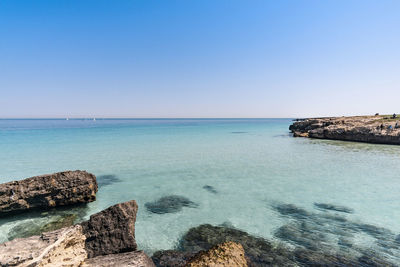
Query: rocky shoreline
[[108, 239], [376, 129]]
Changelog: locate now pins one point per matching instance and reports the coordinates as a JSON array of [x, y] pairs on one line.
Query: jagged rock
[[47, 191], [111, 230], [128, 259], [64, 247], [369, 129], [229, 254]]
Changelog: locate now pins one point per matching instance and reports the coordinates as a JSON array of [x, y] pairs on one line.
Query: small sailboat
[[94, 119], [67, 119]]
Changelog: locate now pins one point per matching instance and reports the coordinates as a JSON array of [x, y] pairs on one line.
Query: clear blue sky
[[200, 58]]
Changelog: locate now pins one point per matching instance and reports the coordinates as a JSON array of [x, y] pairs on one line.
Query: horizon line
[[139, 118]]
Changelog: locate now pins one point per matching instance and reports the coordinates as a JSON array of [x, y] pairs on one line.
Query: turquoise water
[[253, 165]]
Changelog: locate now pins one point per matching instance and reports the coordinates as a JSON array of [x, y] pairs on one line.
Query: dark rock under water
[[169, 204], [332, 207], [31, 228], [210, 189], [332, 232], [108, 179], [262, 252], [37, 222]]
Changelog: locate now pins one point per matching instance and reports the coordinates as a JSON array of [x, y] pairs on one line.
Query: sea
[[250, 174]]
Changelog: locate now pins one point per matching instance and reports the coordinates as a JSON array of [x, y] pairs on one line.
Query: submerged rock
[[169, 204], [333, 207], [302, 234], [104, 180], [47, 191], [229, 254], [262, 252], [210, 189], [321, 232], [259, 251], [292, 211], [31, 228]]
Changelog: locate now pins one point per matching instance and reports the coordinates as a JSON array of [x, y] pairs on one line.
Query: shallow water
[[235, 171]]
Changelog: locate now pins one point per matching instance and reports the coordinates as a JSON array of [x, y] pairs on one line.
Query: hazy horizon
[[198, 59]]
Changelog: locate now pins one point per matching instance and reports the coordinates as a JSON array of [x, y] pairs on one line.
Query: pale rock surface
[[368, 129], [60, 248], [128, 259]]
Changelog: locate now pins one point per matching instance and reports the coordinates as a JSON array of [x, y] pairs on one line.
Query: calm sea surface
[[251, 169]]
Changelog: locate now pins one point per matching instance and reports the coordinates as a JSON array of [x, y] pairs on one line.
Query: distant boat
[[67, 119], [94, 119]]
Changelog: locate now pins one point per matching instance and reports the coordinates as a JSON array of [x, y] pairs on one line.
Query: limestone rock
[[228, 254], [64, 247], [369, 129], [47, 191], [134, 259], [107, 232], [111, 230]]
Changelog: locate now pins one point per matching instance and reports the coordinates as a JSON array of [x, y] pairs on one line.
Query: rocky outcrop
[[229, 254], [133, 259], [369, 129], [112, 230], [47, 191], [64, 247], [106, 233], [261, 252]]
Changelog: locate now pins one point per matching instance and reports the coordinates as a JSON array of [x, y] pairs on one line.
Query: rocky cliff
[[369, 129], [47, 191]]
